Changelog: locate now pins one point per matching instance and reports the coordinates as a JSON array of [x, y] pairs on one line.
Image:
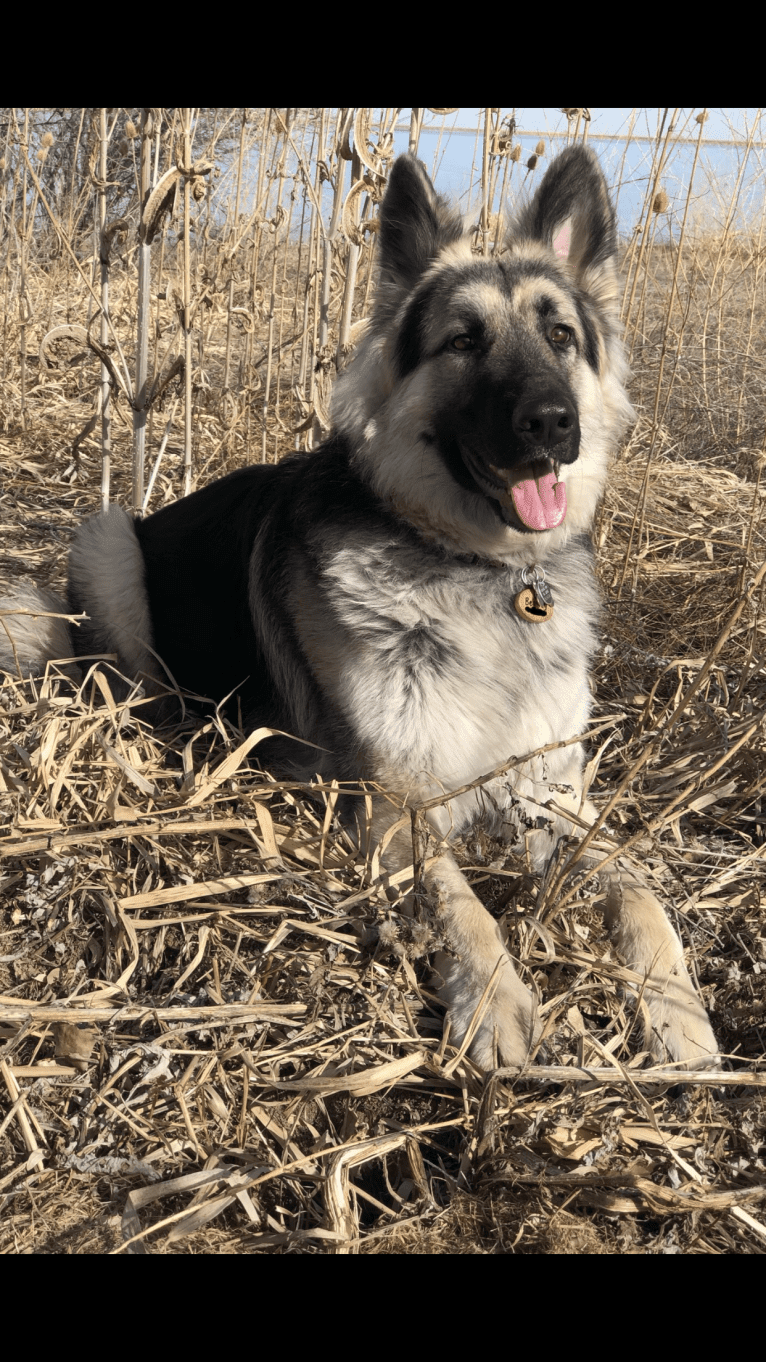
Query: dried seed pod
[[532, 162], [109, 233], [371, 156], [173, 369], [345, 124], [661, 201], [160, 201], [516, 153], [131, 130], [540, 148], [59, 333], [352, 229]]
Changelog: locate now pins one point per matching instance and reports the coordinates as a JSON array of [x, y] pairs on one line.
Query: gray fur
[[106, 582], [30, 636]]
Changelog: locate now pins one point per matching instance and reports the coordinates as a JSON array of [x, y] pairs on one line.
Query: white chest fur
[[443, 681]]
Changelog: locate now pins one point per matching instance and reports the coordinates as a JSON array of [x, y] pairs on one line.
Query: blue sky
[[624, 140], [455, 158], [724, 124]]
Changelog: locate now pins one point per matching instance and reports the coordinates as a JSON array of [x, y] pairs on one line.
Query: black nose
[[543, 422]]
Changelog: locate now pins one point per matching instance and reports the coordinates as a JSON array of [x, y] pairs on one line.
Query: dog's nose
[[544, 421]]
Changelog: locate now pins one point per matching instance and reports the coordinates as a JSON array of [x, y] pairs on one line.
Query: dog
[[416, 597]]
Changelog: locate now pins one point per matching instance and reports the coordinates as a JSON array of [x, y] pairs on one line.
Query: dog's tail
[[32, 632]]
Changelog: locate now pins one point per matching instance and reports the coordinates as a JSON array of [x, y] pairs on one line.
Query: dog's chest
[[439, 672]]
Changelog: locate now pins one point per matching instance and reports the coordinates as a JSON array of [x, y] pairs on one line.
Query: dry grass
[[216, 1032]]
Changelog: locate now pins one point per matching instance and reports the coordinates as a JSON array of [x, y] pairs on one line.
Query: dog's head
[[490, 390]]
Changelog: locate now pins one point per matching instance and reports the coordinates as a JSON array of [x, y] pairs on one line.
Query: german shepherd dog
[[417, 596]]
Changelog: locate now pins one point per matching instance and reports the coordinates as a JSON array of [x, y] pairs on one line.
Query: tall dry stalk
[[103, 255], [416, 123], [275, 224], [617, 186], [143, 315], [635, 255], [485, 189], [637, 526], [336, 173], [351, 217], [186, 169], [757, 266], [9, 188], [319, 257], [658, 416], [240, 163], [714, 286], [307, 279], [24, 308], [444, 114]]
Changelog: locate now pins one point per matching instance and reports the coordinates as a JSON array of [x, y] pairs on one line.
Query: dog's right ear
[[415, 225]]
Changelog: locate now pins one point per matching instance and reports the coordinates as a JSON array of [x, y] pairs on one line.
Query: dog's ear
[[572, 214], [415, 225]]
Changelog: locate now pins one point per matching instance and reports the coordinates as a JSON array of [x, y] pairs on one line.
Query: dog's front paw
[[681, 1032], [508, 1026]]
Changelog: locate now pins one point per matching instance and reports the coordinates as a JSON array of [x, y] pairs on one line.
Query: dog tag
[[531, 608], [535, 601]]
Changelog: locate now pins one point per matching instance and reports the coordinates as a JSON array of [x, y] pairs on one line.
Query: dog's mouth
[[531, 496]]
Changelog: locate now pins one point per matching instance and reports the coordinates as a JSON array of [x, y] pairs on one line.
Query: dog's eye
[[560, 335], [462, 343]]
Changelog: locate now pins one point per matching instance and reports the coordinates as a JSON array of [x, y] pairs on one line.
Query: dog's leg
[[476, 969], [646, 941], [509, 1026], [642, 934]]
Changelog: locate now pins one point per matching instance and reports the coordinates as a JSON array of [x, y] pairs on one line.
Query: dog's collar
[[533, 597]]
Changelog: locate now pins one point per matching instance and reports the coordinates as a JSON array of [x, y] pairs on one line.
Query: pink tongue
[[540, 503]]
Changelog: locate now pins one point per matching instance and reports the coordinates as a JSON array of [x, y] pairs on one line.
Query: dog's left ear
[[572, 214]]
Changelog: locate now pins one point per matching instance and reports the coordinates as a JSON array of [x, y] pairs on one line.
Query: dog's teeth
[[502, 474]]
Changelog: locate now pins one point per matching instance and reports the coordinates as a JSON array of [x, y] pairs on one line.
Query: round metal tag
[[529, 607]]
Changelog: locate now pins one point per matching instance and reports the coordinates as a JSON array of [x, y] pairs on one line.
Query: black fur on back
[[219, 565]]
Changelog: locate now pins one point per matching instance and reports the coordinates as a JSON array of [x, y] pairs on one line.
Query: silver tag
[[534, 577]]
